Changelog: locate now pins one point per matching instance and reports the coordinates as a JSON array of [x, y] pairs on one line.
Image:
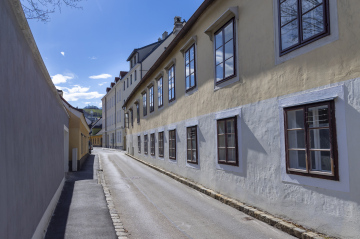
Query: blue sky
[[84, 50]]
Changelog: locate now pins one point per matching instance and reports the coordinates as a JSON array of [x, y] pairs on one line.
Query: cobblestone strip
[[121, 232], [288, 227]]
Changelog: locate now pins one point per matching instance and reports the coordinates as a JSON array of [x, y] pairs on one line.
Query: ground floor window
[[172, 144], [139, 144], [227, 141], [310, 140], [145, 144], [161, 144], [192, 144], [152, 144]]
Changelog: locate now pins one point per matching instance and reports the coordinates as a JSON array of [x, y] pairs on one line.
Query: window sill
[[226, 82]]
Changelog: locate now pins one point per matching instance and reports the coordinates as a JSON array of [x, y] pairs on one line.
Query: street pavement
[[153, 205], [82, 211]]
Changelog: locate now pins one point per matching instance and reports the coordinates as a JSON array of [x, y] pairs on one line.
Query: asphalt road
[[152, 205]]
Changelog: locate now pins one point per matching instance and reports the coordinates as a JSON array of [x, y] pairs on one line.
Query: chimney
[[60, 92], [164, 35], [177, 25], [159, 39]]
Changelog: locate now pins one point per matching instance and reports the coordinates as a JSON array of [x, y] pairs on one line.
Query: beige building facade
[[260, 102]]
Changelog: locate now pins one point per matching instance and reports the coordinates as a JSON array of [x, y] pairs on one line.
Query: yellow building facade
[[285, 96]]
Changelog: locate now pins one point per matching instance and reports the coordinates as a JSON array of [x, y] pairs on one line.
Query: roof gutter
[[172, 45]]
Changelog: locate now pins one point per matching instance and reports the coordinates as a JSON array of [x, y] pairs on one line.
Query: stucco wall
[[262, 82], [329, 207], [32, 138]]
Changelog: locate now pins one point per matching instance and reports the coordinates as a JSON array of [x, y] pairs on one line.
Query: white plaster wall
[[258, 180]]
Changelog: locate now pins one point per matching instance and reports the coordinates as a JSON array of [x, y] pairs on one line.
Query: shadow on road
[[58, 223]]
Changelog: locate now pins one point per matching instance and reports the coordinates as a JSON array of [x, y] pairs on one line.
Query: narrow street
[[152, 205]]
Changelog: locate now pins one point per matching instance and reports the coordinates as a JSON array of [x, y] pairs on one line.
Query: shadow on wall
[[57, 225]]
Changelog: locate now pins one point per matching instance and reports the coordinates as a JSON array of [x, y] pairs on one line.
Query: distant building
[[140, 61]]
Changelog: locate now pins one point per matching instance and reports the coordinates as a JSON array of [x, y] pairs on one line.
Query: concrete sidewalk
[[82, 211]]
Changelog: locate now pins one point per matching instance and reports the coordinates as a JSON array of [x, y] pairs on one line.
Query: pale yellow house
[[79, 137], [260, 101]]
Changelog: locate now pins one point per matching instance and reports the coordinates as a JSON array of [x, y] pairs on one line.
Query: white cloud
[[102, 76], [102, 83], [78, 92], [62, 53], [100, 104], [93, 58], [59, 78]]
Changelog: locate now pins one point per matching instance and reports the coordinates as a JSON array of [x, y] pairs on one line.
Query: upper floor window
[[135, 76], [138, 112], [130, 79], [191, 144], [160, 92], [310, 140], [302, 22], [190, 76], [227, 141], [151, 98], [124, 85], [225, 52], [132, 118], [146, 144], [144, 104], [171, 75], [127, 84]]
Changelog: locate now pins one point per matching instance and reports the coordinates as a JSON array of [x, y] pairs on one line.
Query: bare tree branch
[[41, 9]]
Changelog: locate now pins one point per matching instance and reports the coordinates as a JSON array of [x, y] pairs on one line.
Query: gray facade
[[33, 120]]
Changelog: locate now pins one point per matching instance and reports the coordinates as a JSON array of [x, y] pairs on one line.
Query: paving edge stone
[[120, 231], [285, 226]]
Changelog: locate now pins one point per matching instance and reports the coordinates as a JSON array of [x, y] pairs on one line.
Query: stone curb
[[120, 231], [279, 223]]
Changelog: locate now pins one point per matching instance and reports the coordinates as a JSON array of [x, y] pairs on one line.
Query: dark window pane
[[289, 34], [231, 140], [230, 128], [222, 154], [229, 32], [229, 49], [229, 67], [321, 161], [194, 156], [309, 4], [295, 119], [296, 139], [289, 11], [221, 127], [313, 22], [218, 40], [221, 140], [187, 56], [231, 155], [189, 155], [297, 159], [320, 138]]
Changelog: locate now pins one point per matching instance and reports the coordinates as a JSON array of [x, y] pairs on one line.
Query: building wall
[[264, 82], [96, 140], [32, 162]]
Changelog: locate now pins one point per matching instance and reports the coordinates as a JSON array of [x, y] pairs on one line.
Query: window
[[227, 141], [172, 144], [192, 144], [139, 144], [152, 144], [130, 79], [190, 77], [160, 92], [310, 140], [144, 104], [151, 98], [145, 144], [132, 118], [225, 52], [171, 75], [161, 144], [138, 113], [135, 76], [126, 123], [124, 85], [302, 22], [127, 84]]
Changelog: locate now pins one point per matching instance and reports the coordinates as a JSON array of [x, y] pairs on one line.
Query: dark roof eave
[[172, 45]]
